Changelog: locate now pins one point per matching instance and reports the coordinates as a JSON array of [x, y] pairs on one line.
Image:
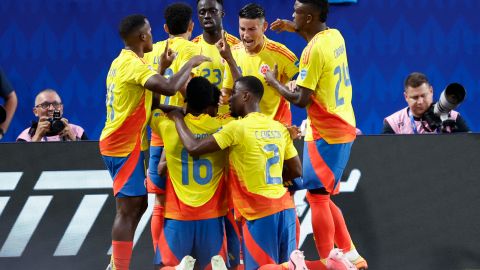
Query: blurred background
[[68, 45]]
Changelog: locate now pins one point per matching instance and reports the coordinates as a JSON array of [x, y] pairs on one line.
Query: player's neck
[[317, 28], [136, 50], [212, 37], [184, 36]]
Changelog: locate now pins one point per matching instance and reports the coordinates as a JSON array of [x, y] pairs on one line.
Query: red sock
[[122, 252], [272, 267], [315, 265], [156, 224], [342, 236], [322, 223]]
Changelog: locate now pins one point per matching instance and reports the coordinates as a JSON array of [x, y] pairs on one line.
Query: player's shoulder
[[231, 39], [280, 49], [197, 39]]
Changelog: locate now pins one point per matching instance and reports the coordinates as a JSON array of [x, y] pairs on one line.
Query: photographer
[[419, 116], [51, 126]]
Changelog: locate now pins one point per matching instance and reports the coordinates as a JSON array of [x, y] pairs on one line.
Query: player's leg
[[176, 242], [232, 232], [128, 175], [210, 241], [268, 241], [156, 184]]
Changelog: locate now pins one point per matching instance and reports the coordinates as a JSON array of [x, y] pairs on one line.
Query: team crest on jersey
[[264, 68], [303, 73]]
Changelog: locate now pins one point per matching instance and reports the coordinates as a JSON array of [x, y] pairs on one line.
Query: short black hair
[[252, 11], [320, 5], [215, 96], [199, 94], [130, 24], [253, 85], [415, 79], [177, 17], [218, 1]]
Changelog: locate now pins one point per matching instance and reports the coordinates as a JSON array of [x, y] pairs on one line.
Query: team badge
[[264, 68], [303, 74]]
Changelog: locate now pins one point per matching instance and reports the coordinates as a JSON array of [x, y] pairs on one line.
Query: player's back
[[185, 50], [258, 148], [128, 103], [324, 69], [197, 188]]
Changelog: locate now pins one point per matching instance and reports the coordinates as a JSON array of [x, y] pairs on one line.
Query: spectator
[[6, 112], [417, 117], [51, 125]]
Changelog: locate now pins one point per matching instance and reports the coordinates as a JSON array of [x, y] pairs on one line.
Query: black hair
[[177, 17], [320, 5], [131, 24], [415, 79], [252, 11], [200, 94], [218, 1], [215, 95], [252, 84]]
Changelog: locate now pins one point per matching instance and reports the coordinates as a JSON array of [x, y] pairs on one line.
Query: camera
[[3, 114], [56, 124], [438, 115]]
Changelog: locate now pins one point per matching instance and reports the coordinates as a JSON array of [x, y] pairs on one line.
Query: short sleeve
[[310, 67], [228, 135], [290, 150], [142, 72]]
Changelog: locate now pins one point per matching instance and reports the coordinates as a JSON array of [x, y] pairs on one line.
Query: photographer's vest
[[403, 123]]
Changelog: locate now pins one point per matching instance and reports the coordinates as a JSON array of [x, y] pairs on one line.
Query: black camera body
[[56, 124]]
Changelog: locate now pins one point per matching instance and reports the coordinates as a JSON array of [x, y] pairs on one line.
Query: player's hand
[[295, 132], [292, 86], [43, 127], [282, 25], [67, 131], [223, 47], [166, 58], [225, 96], [197, 60], [176, 114], [271, 75]]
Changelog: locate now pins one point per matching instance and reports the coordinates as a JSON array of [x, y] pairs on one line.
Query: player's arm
[[168, 87], [195, 147], [299, 95], [285, 26], [292, 168], [226, 53], [162, 164]]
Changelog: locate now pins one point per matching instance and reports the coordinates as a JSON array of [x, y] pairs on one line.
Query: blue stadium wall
[[68, 45]]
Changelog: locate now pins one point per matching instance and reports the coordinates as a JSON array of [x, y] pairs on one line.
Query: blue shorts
[[323, 164], [201, 239], [128, 174], [233, 239], [269, 240], [156, 183]]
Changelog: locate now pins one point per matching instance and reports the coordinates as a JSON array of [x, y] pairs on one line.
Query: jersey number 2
[[270, 162]]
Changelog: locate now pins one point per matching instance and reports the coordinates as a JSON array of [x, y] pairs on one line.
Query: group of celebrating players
[[219, 159]]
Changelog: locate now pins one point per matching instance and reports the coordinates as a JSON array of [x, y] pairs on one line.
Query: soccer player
[[257, 54], [130, 83], [179, 27], [324, 88], [259, 147], [195, 192], [210, 14]]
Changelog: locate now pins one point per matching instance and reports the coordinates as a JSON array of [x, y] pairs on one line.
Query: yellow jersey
[[324, 70], [196, 185], [214, 70], [128, 105], [272, 104], [185, 50], [258, 147]]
